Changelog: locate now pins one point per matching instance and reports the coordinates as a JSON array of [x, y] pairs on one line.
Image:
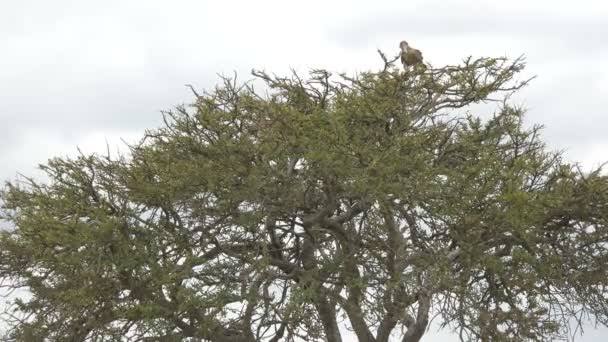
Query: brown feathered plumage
[[409, 55]]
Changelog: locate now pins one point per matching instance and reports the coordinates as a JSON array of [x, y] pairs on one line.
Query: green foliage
[[370, 200]]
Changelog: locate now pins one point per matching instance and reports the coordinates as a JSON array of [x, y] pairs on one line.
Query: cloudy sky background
[[83, 73]]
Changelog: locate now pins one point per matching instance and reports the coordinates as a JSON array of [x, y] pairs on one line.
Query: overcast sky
[[80, 73]]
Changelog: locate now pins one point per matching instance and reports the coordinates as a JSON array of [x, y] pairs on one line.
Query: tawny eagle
[[409, 55]]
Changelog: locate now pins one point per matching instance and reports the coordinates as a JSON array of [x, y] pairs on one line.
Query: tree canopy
[[299, 207]]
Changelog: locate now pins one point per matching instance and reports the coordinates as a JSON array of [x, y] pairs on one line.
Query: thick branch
[[417, 327]]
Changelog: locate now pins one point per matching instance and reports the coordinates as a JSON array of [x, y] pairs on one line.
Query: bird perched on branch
[[409, 55]]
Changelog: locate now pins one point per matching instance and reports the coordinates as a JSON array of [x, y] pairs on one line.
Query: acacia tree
[[321, 204]]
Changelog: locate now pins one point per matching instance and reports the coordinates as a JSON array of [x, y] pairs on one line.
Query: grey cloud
[[576, 112], [453, 20]]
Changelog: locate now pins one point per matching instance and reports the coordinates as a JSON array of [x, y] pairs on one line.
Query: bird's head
[[404, 45]]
